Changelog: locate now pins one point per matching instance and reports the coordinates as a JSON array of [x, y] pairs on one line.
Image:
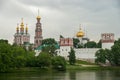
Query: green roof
[[41, 46]]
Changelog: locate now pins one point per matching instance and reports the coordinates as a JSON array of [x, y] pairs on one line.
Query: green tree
[[72, 58], [99, 44], [76, 42], [115, 53], [50, 46], [61, 36], [3, 41], [101, 56], [49, 41], [90, 44], [43, 60], [5, 56], [59, 63], [31, 59]]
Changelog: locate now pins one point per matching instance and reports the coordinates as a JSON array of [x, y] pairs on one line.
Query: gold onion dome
[[38, 17], [22, 24], [80, 33]]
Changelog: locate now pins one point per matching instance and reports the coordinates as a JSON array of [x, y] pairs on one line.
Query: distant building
[[38, 33], [22, 37], [86, 54], [81, 36], [65, 46], [107, 40]]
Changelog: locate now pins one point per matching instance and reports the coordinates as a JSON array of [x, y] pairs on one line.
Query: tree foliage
[[99, 44], [101, 56], [72, 58], [14, 57], [113, 55], [49, 41], [49, 46], [91, 44], [75, 42], [59, 63], [43, 60]]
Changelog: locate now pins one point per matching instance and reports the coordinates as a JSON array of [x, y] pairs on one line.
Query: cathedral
[[21, 37]]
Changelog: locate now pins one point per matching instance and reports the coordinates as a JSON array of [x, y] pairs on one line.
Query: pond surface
[[69, 75]]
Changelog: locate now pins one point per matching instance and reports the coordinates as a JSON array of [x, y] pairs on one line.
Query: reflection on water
[[69, 75]]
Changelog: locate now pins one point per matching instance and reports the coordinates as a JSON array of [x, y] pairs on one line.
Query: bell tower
[[38, 32]]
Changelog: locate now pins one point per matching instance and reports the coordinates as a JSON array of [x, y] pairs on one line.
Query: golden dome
[[38, 17], [80, 33]]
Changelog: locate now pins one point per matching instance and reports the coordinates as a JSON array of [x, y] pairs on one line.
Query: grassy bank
[[80, 65], [77, 67], [83, 65]]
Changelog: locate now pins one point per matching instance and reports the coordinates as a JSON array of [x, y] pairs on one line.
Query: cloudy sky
[[61, 17]]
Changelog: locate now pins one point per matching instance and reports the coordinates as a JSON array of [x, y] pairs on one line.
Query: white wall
[[107, 45], [64, 51], [87, 54]]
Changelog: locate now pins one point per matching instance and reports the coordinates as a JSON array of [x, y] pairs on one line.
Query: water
[[69, 75]]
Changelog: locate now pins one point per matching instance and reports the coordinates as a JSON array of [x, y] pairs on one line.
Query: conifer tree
[[72, 58]]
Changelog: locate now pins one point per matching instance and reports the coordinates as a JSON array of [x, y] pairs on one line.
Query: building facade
[[21, 37], [38, 33], [65, 47], [107, 40], [86, 54]]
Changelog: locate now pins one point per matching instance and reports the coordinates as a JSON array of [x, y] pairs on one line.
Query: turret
[[17, 29], [22, 27], [26, 29], [38, 17]]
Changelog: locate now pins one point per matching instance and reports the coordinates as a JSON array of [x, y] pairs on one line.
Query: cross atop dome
[[38, 17]]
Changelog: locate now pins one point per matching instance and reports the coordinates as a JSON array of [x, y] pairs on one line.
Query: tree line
[[89, 44], [14, 57]]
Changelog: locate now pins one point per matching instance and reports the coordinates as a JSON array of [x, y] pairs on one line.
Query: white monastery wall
[[107, 45]]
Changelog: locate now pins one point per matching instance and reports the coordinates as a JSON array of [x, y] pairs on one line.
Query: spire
[[17, 29], [26, 29], [80, 27], [38, 17], [22, 24]]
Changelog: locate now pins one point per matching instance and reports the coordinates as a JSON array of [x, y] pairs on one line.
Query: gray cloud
[[61, 17]]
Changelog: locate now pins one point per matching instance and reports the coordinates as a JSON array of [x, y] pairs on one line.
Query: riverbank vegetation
[[17, 58], [112, 56], [13, 57]]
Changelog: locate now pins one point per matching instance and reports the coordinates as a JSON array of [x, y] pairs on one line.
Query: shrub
[[59, 63], [43, 60]]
